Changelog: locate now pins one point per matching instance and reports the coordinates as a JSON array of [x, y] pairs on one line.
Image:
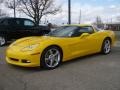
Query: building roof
[[113, 23], [79, 25]]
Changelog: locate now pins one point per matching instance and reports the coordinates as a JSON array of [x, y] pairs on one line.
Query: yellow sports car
[[65, 43]]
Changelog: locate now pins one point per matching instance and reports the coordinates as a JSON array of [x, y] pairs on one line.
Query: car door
[[29, 28], [17, 25], [13, 28], [84, 43]]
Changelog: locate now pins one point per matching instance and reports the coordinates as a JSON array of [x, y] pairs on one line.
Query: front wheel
[[106, 46], [51, 57], [2, 41]]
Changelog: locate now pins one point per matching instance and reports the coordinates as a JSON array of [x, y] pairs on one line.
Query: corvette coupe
[[63, 44]]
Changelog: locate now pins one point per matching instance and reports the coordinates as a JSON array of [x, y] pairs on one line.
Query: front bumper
[[22, 59]]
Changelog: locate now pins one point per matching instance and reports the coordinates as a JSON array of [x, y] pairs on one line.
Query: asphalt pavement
[[94, 72]]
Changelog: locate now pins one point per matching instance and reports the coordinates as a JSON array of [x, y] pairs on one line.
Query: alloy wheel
[[52, 57], [107, 46]]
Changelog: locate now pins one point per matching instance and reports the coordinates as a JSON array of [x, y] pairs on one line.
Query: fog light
[[26, 61]]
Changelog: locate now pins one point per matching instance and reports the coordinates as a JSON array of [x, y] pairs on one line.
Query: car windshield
[[64, 31]]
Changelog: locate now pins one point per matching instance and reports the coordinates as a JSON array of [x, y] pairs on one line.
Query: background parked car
[[14, 28]]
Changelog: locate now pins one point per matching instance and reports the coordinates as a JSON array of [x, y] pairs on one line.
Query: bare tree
[[99, 22], [36, 9], [1, 1], [13, 4]]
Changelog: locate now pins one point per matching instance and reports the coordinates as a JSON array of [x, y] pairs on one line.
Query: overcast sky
[[108, 10]]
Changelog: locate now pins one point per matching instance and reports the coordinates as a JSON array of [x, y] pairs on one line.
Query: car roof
[[12, 18]]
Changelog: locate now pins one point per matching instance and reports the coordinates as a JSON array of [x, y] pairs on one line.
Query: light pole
[[14, 9], [69, 11], [80, 17]]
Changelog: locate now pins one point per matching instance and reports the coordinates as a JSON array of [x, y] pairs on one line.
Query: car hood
[[33, 40]]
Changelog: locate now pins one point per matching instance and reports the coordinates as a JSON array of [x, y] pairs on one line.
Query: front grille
[[13, 59]]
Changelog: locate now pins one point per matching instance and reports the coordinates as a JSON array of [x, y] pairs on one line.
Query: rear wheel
[[2, 40], [106, 47], [51, 57]]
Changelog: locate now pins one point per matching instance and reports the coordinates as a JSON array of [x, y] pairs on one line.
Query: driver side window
[[88, 29], [82, 30], [28, 23]]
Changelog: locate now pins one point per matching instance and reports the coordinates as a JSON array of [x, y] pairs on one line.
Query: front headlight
[[30, 47]]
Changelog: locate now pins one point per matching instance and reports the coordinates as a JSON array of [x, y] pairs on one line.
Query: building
[[112, 26]]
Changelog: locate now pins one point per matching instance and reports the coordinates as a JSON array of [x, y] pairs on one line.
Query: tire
[[106, 46], [2, 41], [51, 58]]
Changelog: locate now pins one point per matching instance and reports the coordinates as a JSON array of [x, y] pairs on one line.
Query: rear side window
[[28, 23], [18, 22], [13, 22], [4, 22], [9, 22]]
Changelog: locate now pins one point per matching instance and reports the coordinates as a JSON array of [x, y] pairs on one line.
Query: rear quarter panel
[[110, 34]]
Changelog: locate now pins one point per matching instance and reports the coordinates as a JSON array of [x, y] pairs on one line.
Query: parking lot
[[95, 72]]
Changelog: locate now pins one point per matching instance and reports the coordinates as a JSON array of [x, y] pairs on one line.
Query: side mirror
[[84, 35]]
